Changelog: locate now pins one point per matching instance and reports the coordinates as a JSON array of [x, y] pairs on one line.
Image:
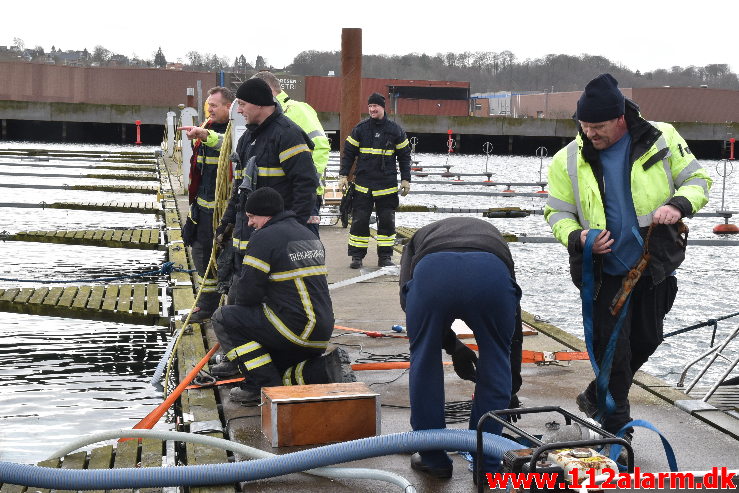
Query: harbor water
[[62, 378]]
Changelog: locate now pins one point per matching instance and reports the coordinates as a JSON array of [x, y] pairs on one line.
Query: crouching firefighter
[[282, 318]]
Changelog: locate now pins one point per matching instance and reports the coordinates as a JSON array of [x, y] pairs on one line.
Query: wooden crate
[[318, 414]]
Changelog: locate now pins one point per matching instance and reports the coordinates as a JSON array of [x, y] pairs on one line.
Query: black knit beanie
[[376, 98], [255, 91], [264, 201], [601, 101]]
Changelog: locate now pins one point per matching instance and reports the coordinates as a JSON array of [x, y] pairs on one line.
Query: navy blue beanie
[[255, 91], [264, 201], [601, 101], [376, 98]]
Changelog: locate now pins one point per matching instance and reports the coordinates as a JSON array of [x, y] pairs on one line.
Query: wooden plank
[[136, 236], [54, 294], [69, 234], [73, 461], [124, 298], [152, 299], [89, 235], [101, 458], [24, 295], [52, 463], [126, 456], [152, 451], [138, 304], [110, 299], [80, 299], [126, 236], [38, 296], [182, 298], [96, 298], [10, 294], [67, 296], [108, 234], [12, 488], [117, 234], [79, 235], [98, 235]]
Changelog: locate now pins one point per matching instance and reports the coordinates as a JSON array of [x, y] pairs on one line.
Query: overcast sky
[[643, 34]]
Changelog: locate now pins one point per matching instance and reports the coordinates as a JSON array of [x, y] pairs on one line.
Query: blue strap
[[637, 235], [605, 402], [669, 453]]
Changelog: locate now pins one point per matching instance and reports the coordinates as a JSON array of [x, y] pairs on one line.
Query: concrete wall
[[68, 112], [107, 86]]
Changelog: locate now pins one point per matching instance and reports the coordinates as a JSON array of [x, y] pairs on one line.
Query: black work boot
[[246, 395], [356, 263], [585, 405], [248, 392], [225, 368], [332, 367], [198, 315], [385, 261]]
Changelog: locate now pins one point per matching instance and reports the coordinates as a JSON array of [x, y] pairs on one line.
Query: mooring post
[[351, 82]]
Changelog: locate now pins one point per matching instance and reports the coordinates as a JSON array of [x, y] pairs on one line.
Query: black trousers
[[201, 249], [359, 233], [640, 336], [248, 338]]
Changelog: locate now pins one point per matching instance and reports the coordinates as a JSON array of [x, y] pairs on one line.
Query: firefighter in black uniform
[[198, 230], [273, 152], [281, 320], [376, 142]]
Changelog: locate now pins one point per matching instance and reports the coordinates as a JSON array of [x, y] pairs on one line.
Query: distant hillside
[[490, 72]]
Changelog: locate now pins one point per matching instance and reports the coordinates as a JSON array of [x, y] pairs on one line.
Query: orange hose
[[153, 417]]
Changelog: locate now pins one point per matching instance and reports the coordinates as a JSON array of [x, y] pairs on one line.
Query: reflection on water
[[52, 262], [62, 379]]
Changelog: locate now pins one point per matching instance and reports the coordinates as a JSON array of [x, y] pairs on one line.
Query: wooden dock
[[129, 303], [145, 239]]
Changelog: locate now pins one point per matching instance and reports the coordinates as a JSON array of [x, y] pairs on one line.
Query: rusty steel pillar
[[351, 82]]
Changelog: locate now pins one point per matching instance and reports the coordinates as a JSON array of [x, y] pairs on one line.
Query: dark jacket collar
[[279, 217], [255, 129]]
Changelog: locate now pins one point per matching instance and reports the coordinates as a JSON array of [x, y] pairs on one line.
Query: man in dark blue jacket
[[460, 268], [281, 320], [375, 143]]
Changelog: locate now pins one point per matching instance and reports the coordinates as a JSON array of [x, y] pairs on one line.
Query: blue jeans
[[477, 288]]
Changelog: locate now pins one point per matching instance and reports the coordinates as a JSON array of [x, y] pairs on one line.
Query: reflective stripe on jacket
[[667, 169], [377, 144], [281, 153], [284, 271]]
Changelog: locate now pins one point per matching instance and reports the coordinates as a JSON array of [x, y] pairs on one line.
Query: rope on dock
[[222, 195]]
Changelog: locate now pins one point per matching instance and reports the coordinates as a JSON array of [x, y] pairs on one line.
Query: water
[[66, 378]]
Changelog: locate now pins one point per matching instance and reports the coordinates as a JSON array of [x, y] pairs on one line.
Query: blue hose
[[210, 474]]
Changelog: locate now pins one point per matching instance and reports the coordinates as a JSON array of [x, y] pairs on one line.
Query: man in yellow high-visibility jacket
[[621, 175], [306, 118]]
